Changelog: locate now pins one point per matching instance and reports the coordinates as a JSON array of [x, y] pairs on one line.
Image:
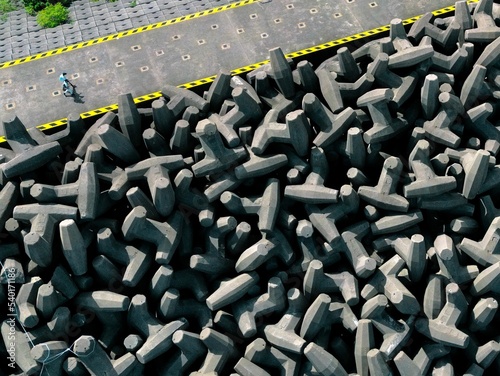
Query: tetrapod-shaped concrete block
[[395, 333], [283, 334], [93, 356], [245, 367], [489, 56], [246, 312], [325, 220], [313, 191], [265, 206], [48, 301], [156, 144], [426, 183], [156, 171], [400, 88], [384, 195], [103, 301], [281, 72], [377, 363], [474, 370], [411, 250], [259, 165], [429, 96], [384, 126], [136, 261], [73, 247], [308, 80], [385, 281], [245, 111], [330, 127], [486, 251], [219, 90], [63, 282], [259, 253], [213, 262], [182, 141], [217, 156], [438, 129], [345, 65], [449, 264], [478, 122], [295, 132], [463, 15], [473, 86], [165, 235], [316, 281], [158, 335], [486, 354], [84, 192], [443, 329], [406, 54], [486, 29], [29, 156], [43, 219], [330, 89]]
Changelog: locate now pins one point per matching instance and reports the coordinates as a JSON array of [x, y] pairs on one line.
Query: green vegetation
[[6, 6], [52, 15], [34, 6]]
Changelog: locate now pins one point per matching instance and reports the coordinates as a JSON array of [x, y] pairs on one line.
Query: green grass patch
[[52, 15], [6, 6]]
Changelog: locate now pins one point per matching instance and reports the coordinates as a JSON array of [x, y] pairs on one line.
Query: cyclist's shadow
[[77, 97]]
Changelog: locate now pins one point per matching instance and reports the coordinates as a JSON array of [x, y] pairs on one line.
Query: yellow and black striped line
[[127, 33], [248, 68]]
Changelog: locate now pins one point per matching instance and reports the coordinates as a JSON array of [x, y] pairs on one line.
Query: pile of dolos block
[[324, 221]]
